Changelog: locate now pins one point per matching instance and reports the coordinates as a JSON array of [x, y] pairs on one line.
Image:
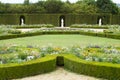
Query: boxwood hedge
[[107, 35], [71, 62], [97, 69], [42, 65]]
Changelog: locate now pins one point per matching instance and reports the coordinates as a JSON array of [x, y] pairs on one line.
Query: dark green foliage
[[60, 61], [53, 6], [12, 71], [107, 6], [57, 6]]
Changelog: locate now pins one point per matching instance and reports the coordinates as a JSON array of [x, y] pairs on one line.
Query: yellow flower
[[57, 49], [85, 54]]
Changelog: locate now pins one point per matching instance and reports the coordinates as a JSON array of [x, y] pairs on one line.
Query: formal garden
[[36, 38], [28, 50]]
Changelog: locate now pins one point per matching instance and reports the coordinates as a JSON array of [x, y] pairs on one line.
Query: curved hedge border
[[13, 71], [71, 62], [107, 35], [97, 69]]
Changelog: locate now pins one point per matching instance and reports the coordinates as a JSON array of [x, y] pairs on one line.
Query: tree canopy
[[107, 6], [57, 6]]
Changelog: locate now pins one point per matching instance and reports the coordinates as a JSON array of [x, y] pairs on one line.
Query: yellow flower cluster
[[57, 49]]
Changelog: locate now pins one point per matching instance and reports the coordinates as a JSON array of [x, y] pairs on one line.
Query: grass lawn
[[61, 40]]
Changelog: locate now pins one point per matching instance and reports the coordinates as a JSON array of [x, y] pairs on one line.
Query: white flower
[[30, 57]]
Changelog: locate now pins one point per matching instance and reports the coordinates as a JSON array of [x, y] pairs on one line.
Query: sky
[[33, 1]]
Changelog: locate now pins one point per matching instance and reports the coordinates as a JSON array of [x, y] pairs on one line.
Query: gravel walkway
[[59, 74]]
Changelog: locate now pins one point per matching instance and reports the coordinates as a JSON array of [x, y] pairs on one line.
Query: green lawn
[[61, 40]]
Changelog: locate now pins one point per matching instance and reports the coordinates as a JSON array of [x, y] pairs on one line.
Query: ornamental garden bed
[[19, 54], [29, 60]]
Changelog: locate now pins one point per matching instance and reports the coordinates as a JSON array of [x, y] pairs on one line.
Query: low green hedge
[[107, 35], [93, 27], [71, 62], [34, 26], [13, 71], [114, 36], [97, 69], [10, 36]]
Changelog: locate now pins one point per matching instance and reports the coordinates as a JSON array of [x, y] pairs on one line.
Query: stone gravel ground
[[60, 74]]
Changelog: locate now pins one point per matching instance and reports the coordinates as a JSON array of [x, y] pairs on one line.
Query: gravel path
[[59, 74]]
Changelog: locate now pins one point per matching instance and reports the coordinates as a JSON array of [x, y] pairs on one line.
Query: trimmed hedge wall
[[55, 19], [9, 19], [97, 69], [115, 19], [13, 71]]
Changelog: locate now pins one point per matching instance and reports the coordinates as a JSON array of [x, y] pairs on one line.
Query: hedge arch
[[20, 19], [61, 17], [99, 19]]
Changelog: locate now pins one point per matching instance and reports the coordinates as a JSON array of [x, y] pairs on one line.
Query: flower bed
[[103, 70], [29, 60], [18, 54]]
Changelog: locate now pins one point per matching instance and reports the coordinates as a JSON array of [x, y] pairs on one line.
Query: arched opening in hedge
[[98, 20], [22, 20], [62, 17]]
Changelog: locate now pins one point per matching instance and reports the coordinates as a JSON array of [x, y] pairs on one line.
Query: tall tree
[[107, 6], [26, 2], [2, 7], [53, 6], [85, 6]]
